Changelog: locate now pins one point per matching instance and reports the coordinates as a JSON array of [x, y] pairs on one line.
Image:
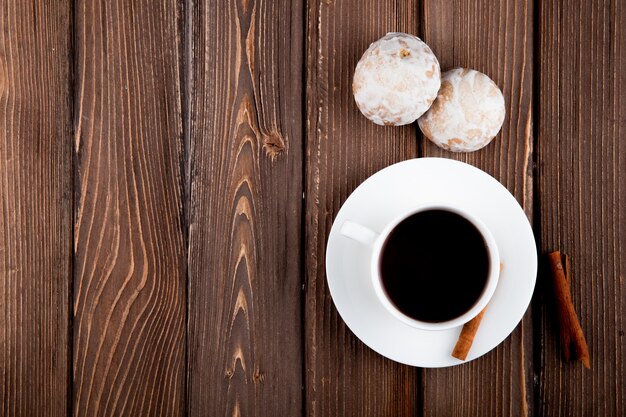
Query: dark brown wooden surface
[[343, 376], [245, 107], [35, 207], [130, 263], [170, 170], [582, 195], [494, 37]]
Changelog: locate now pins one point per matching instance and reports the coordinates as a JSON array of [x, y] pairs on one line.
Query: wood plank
[[35, 207], [582, 179], [245, 101], [343, 376], [495, 38], [130, 257]]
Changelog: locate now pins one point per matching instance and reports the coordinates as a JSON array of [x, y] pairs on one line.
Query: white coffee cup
[[376, 241]]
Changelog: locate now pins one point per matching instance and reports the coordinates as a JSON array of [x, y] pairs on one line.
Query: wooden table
[[169, 172]]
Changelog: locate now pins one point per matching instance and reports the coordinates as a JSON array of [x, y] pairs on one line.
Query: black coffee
[[434, 265]]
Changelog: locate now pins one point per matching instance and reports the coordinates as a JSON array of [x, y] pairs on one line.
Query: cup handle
[[359, 233]]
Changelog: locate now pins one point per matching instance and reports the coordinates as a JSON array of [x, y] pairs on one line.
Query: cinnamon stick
[[569, 326], [466, 338], [468, 332]]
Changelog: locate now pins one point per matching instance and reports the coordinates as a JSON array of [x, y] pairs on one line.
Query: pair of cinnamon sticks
[[571, 333], [569, 327]]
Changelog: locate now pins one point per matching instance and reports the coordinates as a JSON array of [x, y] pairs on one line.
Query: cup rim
[[481, 302]]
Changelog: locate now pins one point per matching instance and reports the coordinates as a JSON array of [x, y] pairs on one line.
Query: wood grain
[[582, 184], [129, 288], [245, 101], [495, 38], [184, 184], [35, 207], [343, 376]]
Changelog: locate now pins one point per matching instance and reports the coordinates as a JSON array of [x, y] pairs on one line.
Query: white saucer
[[388, 193]]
